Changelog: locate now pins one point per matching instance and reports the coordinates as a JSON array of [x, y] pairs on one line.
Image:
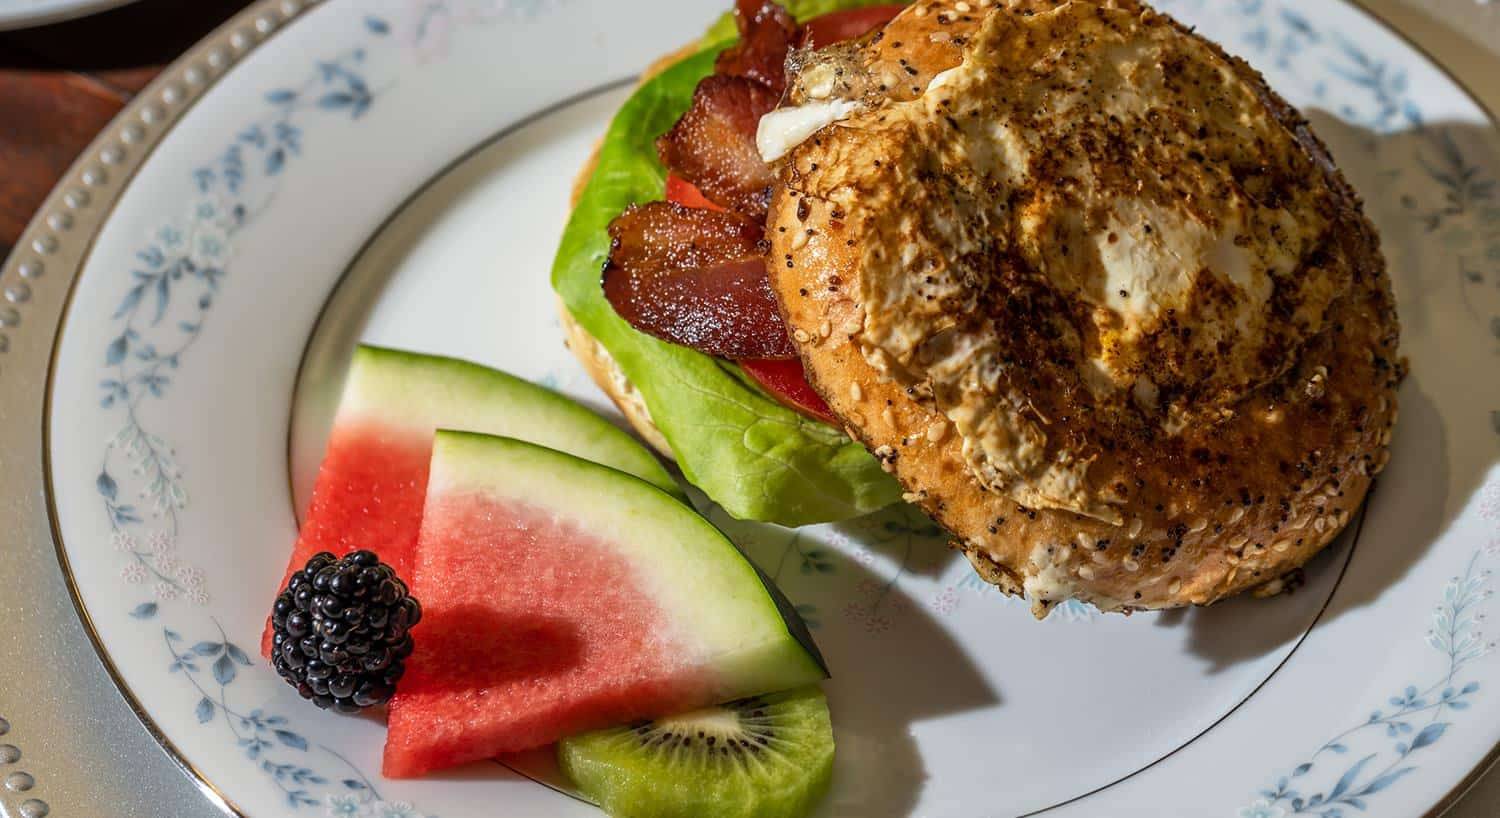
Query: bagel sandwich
[[1094, 296]]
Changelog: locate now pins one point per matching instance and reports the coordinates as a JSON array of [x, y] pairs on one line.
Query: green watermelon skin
[[372, 481], [560, 596]]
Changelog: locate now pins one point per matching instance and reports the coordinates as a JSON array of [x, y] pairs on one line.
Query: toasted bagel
[[949, 260]]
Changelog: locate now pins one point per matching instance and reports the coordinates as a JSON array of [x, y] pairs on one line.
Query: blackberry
[[342, 631]]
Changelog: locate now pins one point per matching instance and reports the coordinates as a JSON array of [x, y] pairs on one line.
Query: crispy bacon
[[696, 278], [713, 144], [767, 32], [694, 275]]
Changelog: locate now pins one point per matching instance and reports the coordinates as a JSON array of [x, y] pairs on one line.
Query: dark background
[[60, 85]]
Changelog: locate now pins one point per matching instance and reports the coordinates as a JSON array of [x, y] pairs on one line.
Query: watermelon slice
[[373, 478], [560, 596]]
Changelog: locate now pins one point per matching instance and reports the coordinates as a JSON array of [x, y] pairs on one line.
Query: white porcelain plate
[[22, 13], [399, 172]]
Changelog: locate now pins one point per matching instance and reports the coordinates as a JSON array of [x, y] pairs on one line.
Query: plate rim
[[89, 191]]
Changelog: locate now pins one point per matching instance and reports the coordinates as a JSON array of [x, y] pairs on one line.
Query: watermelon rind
[[429, 391]]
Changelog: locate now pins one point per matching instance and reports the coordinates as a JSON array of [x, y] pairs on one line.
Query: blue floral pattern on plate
[[182, 269], [1349, 770], [178, 276], [1375, 754]]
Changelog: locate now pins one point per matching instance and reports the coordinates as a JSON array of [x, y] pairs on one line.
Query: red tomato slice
[[787, 381], [838, 26], [683, 192]]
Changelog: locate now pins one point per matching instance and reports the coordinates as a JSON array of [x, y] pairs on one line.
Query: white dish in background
[[332, 168], [27, 13]]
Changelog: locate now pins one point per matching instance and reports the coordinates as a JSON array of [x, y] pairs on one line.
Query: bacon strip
[[691, 270], [767, 32], [695, 278], [713, 144]]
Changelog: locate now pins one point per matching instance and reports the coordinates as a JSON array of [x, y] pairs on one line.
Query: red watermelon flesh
[[368, 495], [531, 628], [560, 596], [373, 480]]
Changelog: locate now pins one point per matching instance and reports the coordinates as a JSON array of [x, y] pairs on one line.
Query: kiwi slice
[[762, 757]]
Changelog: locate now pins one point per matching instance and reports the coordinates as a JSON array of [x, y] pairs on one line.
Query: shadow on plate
[[872, 642], [872, 645], [906, 536], [1421, 187]]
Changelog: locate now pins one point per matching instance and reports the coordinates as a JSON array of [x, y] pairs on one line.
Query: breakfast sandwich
[[1064, 274]]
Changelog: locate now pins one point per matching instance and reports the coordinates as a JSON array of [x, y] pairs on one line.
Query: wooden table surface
[[60, 85]]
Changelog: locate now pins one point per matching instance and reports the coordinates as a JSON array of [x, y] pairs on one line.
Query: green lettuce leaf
[[803, 10], [751, 455]]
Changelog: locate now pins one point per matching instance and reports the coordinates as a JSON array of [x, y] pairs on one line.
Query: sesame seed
[[1135, 527], [1198, 525], [888, 416], [1086, 571], [856, 393], [1131, 565], [963, 8], [1281, 546], [937, 431], [921, 11], [1175, 586], [825, 329], [801, 336], [910, 497], [1236, 515]]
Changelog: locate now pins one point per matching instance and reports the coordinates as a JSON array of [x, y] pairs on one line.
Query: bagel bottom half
[[596, 360]]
